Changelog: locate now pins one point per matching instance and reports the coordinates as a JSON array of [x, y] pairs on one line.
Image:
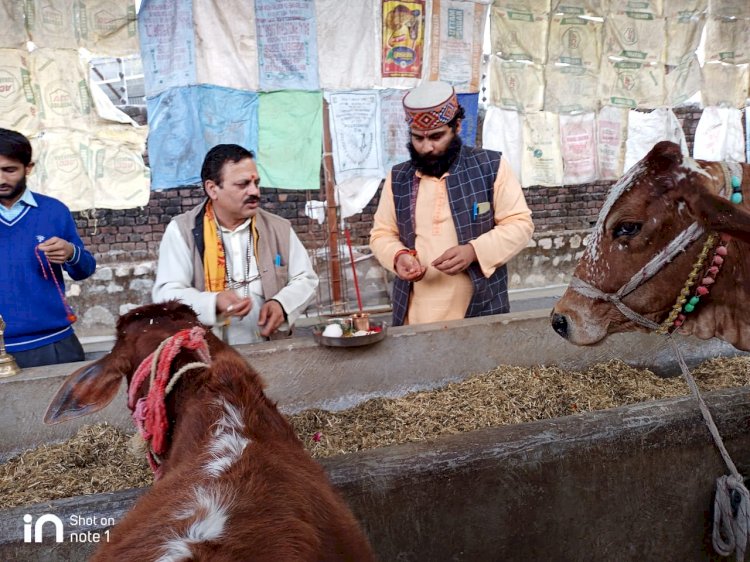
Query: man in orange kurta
[[449, 219]]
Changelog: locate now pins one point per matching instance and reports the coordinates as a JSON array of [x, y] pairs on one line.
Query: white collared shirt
[[174, 278]]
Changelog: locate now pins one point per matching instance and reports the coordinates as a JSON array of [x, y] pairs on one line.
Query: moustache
[[251, 199]]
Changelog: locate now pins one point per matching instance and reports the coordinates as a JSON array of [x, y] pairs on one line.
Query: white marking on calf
[[210, 510], [229, 443], [693, 166]]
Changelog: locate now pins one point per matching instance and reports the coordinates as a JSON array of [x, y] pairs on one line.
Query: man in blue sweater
[[38, 239]]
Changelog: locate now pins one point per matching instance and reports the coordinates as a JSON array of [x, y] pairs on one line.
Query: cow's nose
[[560, 324]]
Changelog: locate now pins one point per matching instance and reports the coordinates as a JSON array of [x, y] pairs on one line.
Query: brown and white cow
[[234, 482], [646, 250]]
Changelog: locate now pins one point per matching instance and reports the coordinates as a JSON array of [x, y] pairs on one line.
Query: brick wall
[[135, 233]]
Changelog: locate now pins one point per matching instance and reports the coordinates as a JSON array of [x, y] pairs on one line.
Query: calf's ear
[[85, 391]]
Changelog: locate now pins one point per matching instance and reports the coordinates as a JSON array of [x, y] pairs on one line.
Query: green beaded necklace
[[685, 305]]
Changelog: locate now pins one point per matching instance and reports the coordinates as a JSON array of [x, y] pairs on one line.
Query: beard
[[433, 165], [15, 191]]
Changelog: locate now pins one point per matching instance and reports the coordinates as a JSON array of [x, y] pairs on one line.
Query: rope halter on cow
[[149, 412], [731, 528]]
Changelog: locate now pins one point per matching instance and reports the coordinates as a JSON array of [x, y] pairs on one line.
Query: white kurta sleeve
[[174, 277], [301, 281]]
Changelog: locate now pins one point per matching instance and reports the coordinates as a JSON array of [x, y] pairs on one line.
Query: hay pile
[[504, 395], [95, 460], [98, 460]]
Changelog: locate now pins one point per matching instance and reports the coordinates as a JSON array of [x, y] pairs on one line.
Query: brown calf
[[233, 480]]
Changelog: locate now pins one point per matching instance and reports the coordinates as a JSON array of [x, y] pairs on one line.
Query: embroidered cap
[[430, 105]]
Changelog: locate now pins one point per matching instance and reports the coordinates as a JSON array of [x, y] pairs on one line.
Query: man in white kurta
[[267, 278]]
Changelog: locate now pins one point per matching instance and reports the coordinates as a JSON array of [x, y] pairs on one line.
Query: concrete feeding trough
[[631, 483]]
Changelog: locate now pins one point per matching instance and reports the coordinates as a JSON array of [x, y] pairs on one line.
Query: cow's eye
[[626, 229]]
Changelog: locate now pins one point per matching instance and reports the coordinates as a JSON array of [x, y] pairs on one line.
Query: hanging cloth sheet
[[355, 124], [578, 143], [165, 30], [287, 44], [456, 43], [228, 53], [719, 136], [290, 139], [348, 47], [186, 122], [502, 131]]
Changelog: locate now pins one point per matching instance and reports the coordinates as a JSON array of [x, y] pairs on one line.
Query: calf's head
[[650, 230], [139, 333]]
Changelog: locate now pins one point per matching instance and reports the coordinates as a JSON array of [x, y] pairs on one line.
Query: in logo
[[47, 517]]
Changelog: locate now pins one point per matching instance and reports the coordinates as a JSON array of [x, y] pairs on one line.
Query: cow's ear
[[85, 391], [665, 156], [718, 214]]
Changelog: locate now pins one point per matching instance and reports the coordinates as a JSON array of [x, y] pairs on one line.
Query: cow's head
[[650, 230], [139, 333]]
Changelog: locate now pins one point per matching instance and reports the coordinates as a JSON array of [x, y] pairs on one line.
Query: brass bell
[[8, 365]]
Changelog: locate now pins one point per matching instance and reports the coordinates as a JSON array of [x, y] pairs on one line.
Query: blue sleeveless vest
[[470, 181]]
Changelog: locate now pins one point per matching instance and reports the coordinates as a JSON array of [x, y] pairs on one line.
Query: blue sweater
[[31, 306]]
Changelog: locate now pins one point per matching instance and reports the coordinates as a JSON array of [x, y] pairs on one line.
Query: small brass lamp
[[8, 366]]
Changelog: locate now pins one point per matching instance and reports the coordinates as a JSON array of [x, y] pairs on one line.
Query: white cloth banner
[[353, 194], [727, 40], [62, 160], [684, 8], [348, 48], [575, 41], [570, 89], [51, 23], [637, 36], [61, 81], [578, 142], [541, 159], [729, 8], [121, 180], [287, 45], [683, 81], [719, 135], [12, 28], [516, 85], [646, 129], [579, 7], [106, 110], [519, 30], [18, 106], [165, 31], [683, 37], [612, 134], [355, 131], [456, 43], [631, 84], [724, 84], [108, 27], [395, 129], [104, 171], [502, 131], [227, 53]]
